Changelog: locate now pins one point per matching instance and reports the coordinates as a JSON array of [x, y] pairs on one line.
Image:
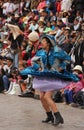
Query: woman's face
[[44, 43]]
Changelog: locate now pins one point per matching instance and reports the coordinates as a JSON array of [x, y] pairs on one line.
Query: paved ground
[[18, 113]]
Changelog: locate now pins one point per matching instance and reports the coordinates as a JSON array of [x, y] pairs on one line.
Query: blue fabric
[[68, 96], [54, 53], [46, 73], [6, 82]]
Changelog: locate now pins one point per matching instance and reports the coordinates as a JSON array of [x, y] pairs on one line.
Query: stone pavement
[[18, 113]]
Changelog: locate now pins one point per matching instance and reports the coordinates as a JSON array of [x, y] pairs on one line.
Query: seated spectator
[[58, 32], [33, 26], [76, 25], [79, 99], [41, 26], [78, 16], [41, 5], [52, 16], [47, 28], [7, 73], [71, 90]]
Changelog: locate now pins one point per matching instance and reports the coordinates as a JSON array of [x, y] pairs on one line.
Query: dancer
[[51, 77]]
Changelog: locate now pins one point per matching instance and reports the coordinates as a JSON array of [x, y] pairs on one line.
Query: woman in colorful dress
[[49, 71]]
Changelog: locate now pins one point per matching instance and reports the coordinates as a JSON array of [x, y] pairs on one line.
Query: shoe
[[49, 118], [74, 105], [58, 119], [81, 107], [28, 94], [4, 91], [36, 97]]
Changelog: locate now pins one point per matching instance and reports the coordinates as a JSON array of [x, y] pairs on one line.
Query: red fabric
[[29, 62], [32, 54], [23, 54], [58, 6], [41, 5]]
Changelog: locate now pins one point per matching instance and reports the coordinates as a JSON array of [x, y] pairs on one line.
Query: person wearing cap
[[77, 69], [74, 87], [53, 65]]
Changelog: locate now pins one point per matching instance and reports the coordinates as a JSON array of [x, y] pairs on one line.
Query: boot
[[49, 118], [58, 119]]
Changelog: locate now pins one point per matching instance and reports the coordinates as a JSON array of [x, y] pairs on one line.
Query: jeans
[[68, 96], [16, 57], [6, 82]]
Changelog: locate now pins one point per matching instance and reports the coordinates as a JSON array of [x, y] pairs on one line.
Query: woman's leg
[[47, 109], [52, 105], [44, 103], [50, 102]]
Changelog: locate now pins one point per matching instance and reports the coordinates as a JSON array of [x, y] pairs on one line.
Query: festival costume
[[49, 78]]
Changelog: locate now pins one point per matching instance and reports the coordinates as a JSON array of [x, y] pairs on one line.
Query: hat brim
[[52, 41], [78, 68]]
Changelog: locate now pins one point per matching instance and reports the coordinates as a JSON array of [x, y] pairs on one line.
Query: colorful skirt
[[49, 84]]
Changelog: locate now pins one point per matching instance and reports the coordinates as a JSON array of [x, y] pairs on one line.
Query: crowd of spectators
[[61, 19]]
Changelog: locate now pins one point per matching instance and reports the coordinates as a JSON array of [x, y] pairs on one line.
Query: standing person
[[14, 48], [46, 95], [53, 61]]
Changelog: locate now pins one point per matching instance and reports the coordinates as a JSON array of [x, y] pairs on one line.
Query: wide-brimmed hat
[[78, 67], [42, 19], [16, 16], [51, 38], [33, 36]]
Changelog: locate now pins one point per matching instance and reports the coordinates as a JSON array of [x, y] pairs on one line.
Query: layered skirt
[[45, 84]]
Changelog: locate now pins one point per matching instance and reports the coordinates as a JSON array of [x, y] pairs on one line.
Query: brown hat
[[33, 36]]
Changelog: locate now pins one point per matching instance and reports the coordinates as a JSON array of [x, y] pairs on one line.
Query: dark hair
[[14, 70], [1, 57], [48, 41], [10, 59]]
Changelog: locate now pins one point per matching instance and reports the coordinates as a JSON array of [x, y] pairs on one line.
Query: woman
[[46, 97], [52, 64]]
